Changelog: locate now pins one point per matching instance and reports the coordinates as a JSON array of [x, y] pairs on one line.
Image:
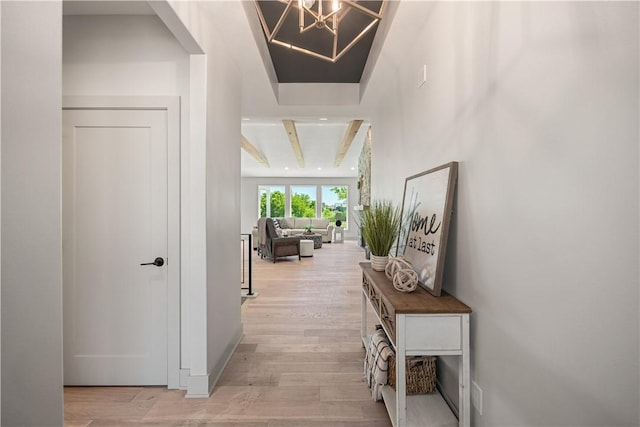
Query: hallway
[[299, 363]]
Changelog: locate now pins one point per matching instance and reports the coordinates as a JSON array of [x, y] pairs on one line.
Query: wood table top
[[417, 302]]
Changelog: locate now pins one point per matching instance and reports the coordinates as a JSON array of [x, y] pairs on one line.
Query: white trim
[[447, 398], [194, 290], [217, 370], [172, 105], [173, 243], [201, 386], [184, 378], [197, 387], [180, 31]]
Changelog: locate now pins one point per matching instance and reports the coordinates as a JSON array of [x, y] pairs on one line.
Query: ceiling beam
[[253, 151], [349, 135], [290, 127]]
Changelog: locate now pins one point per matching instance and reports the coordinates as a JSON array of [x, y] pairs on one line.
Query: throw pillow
[[276, 223]]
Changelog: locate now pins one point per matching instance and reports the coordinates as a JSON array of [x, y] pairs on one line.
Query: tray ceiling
[[295, 67]]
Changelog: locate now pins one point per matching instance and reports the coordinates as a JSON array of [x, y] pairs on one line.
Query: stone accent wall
[[364, 172]]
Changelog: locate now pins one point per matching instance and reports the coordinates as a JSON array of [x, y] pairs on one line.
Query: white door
[[114, 220]]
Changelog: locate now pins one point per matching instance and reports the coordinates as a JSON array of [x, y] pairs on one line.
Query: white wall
[[223, 205], [538, 101], [125, 55], [249, 190], [31, 318], [220, 329], [132, 56], [31, 236]]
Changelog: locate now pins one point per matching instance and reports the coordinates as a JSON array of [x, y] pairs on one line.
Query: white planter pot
[[378, 263]]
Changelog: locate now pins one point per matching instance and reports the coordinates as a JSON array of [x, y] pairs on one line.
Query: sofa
[[320, 226], [290, 225]]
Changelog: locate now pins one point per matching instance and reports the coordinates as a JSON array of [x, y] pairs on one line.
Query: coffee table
[[317, 239]]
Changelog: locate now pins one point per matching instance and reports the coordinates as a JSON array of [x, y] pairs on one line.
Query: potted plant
[[380, 225], [307, 230]]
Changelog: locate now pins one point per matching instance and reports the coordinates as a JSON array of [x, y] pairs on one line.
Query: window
[[303, 201], [334, 200], [271, 200]]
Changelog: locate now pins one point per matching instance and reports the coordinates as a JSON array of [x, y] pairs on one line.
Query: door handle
[[158, 262]]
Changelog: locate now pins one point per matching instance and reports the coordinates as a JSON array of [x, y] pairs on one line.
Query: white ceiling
[[319, 140], [263, 114], [240, 30], [106, 7]]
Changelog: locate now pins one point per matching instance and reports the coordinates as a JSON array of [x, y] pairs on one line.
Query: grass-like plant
[[379, 226]]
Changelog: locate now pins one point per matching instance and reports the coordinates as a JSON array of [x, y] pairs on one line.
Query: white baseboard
[[201, 386], [217, 370], [198, 387], [447, 399]]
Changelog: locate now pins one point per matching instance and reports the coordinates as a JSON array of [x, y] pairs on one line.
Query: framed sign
[[426, 214]]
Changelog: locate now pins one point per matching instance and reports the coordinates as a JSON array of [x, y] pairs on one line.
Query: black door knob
[[158, 262]]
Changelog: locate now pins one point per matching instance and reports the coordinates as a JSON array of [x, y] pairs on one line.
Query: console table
[[419, 324]]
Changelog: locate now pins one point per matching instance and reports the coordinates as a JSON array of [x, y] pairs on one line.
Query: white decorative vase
[[378, 263]]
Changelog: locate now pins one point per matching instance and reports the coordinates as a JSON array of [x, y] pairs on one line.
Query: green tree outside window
[[302, 206], [331, 208], [276, 203]]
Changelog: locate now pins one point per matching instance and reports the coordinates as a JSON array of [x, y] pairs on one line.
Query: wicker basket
[[420, 371]]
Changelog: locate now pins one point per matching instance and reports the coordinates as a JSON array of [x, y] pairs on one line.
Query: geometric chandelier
[[315, 17]]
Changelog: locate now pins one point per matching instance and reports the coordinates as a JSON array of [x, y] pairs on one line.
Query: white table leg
[[363, 317], [464, 374], [401, 376]]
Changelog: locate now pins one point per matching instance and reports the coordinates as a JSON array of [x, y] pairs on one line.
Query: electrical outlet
[[476, 396], [422, 75]]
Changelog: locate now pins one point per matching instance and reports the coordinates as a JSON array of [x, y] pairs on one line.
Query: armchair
[[273, 246]]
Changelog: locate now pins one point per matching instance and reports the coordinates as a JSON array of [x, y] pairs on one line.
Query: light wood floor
[[298, 365]]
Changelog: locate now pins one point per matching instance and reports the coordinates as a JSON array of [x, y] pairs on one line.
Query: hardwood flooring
[[299, 363]]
